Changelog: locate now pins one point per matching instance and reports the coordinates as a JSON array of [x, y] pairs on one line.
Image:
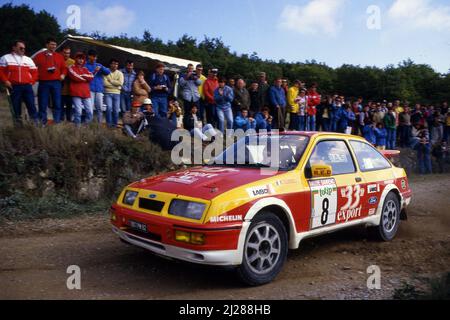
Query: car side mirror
[[321, 170]]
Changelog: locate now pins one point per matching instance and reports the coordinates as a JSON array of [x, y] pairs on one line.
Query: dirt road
[[34, 257]]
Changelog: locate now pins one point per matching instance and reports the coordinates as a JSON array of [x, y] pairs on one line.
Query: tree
[[22, 23]]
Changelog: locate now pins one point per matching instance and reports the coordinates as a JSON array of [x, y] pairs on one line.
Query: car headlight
[[129, 197], [187, 209]]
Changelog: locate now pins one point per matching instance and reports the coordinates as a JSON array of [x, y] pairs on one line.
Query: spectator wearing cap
[[129, 76], [277, 99], [141, 89], [223, 97], [113, 83], [210, 85], [174, 112], [66, 100], [51, 70], [79, 88], [133, 121], [201, 102], [18, 73], [241, 96], [160, 89], [98, 70], [189, 83]]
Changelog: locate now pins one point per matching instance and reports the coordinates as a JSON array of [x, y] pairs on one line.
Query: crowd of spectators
[[82, 90]]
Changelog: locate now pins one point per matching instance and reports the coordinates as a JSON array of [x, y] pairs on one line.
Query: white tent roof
[[143, 57]]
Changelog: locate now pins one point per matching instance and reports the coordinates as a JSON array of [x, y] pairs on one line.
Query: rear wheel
[[265, 250], [389, 220]]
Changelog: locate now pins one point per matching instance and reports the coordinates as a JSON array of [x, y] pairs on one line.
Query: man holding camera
[[161, 88], [189, 83], [52, 70]]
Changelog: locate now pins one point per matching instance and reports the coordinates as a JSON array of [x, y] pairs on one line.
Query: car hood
[[203, 182]]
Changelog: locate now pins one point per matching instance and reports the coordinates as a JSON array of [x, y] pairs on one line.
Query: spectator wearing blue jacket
[[189, 83], [223, 96], [344, 118], [129, 75], [277, 100], [96, 85], [368, 132], [381, 136], [335, 106], [161, 87], [243, 121], [264, 120]]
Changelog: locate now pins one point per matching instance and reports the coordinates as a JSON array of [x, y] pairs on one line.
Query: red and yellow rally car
[[237, 213]]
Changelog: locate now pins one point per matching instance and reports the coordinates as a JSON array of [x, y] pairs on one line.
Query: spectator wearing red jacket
[[314, 100], [80, 78], [51, 71], [209, 86], [18, 73]]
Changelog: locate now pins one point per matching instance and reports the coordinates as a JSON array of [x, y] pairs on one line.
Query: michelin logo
[[225, 218]]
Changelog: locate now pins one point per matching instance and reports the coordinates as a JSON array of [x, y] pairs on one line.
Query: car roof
[[311, 134]]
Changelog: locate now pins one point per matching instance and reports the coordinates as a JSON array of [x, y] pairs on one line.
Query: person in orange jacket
[[80, 78], [18, 73]]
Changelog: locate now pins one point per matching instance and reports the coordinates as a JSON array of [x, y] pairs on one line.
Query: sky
[[336, 32]]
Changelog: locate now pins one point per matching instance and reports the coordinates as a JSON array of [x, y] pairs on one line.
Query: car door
[[375, 170], [337, 198]]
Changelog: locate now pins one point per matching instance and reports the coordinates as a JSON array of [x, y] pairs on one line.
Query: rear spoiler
[[390, 153]]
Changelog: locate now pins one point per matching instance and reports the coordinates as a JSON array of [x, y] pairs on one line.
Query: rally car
[[240, 213]]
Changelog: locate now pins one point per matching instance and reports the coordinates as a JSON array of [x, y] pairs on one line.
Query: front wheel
[[265, 250], [389, 220]]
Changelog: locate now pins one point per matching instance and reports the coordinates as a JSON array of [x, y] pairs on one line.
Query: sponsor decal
[[285, 181], [389, 182], [189, 177], [373, 188], [260, 191], [403, 184], [372, 211], [352, 208], [323, 202], [373, 200], [225, 218]]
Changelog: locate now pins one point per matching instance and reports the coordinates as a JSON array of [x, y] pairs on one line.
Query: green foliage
[[22, 23], [64, 157]]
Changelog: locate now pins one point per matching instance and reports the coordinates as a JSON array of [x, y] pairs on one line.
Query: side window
[[335, 154], [368, 157]]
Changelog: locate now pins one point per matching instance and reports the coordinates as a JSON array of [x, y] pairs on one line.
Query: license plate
[[137, 226]]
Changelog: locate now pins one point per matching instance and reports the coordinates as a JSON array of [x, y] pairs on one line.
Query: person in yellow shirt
[[292, 100], [202, 78], [66, 99], [112, 84]]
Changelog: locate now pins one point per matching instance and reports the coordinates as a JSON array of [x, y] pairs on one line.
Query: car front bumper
[[215, 257]]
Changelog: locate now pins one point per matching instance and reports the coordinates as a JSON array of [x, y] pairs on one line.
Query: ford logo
[[373, 200], [152, 196]]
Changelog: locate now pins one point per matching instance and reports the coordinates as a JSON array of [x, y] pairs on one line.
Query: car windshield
[[281, 152]]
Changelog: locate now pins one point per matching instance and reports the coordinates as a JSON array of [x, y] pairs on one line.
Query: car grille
[[152, 205]]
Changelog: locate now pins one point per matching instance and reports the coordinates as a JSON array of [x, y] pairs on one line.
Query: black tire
[[266, 240], [389, 220]]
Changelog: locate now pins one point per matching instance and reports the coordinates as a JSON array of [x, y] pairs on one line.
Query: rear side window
[[369, 159], [335, 154]]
